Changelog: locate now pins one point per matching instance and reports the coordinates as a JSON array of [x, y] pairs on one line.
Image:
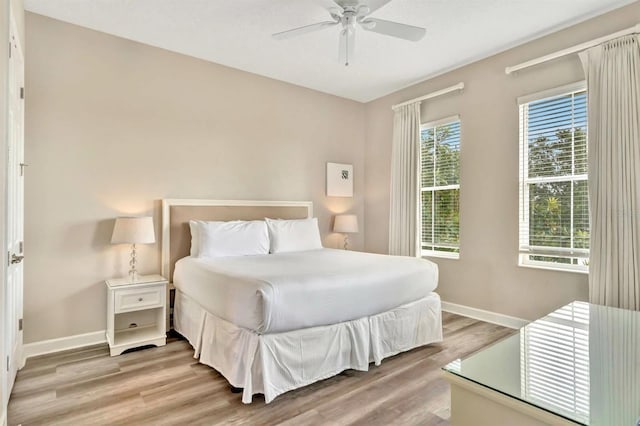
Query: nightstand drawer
[[143, 298]]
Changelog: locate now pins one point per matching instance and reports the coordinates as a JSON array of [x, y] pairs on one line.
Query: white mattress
[[289, 291]]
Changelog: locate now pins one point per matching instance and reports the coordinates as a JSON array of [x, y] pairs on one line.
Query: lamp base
[[133, 273], [346, 242]]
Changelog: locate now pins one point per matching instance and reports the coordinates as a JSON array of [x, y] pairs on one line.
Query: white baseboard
[[482, 315], [63, 343]]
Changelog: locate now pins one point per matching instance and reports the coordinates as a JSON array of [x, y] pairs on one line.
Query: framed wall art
[[339, 180]]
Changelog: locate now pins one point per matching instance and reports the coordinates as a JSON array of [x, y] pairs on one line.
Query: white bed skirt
[[273, 364]]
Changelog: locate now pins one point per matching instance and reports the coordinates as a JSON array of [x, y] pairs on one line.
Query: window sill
[[441, 255], [553, 268]]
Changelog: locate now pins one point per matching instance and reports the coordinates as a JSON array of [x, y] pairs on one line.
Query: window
[[440, 188], [554, 209]]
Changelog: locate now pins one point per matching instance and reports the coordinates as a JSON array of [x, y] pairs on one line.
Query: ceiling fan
[[348, 13]]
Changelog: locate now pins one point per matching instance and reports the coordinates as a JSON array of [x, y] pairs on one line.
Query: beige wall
[[114, 126], [487, 275]]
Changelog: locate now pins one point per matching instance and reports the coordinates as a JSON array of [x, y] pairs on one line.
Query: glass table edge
[[574, 421]]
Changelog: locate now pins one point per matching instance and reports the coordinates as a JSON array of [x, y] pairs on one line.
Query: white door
[[15, 210]]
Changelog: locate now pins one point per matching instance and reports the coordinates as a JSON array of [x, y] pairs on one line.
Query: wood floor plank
[[456, 323], [168, 386]]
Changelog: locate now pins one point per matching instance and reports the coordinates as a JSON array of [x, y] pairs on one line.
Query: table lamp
[[346, 224], [133, 230]]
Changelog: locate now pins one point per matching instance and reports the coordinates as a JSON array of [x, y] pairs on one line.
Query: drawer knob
[[139, 299]]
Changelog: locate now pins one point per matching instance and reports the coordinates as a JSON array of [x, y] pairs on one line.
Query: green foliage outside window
[[556, 176], [440, 183]]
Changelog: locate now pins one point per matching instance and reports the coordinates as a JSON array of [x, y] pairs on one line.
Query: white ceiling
[[237, 33]]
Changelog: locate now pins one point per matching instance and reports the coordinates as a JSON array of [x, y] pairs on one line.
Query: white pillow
[[194, 227], [234, 238], [294, 235]]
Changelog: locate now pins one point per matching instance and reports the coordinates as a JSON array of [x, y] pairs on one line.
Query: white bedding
[[275, 363], [288, 291]]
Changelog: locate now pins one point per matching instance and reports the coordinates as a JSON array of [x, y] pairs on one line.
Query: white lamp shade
[[132, 230], [346, 223]]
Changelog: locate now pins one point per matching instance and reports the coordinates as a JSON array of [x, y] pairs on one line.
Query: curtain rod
[[574, 49], [431, 95]]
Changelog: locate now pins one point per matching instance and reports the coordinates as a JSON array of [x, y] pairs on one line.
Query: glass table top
[[581, 362]]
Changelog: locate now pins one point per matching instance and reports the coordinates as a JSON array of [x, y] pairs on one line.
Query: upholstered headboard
[[176, 214]]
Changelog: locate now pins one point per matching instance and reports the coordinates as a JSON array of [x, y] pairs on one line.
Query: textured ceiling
[[237, 33]]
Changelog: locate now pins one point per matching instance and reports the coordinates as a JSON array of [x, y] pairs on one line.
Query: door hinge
[[7, 362], [22, 93], [20, 324], [9, 49], [21, 246], [8, 258]]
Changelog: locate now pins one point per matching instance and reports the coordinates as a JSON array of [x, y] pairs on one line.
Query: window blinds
[[554, 210], [440, 187]]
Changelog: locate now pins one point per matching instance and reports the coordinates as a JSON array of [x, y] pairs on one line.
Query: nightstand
[[136, 312]]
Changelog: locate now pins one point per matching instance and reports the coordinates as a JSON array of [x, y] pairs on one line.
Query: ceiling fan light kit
[[348, 13]]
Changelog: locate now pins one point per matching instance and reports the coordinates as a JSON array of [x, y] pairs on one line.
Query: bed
[[276, 322]]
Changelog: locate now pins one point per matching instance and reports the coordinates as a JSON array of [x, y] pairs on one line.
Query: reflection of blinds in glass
[[615, 357], [555, 361], [455, 365]]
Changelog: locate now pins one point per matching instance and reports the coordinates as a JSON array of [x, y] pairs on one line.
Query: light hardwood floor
[[167, 386]]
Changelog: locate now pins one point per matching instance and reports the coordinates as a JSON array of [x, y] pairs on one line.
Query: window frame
[[524, 181], [426, 252]]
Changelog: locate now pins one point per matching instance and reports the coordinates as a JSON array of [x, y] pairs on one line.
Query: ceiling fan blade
[[347, 46], [393, 29], [303, 30]]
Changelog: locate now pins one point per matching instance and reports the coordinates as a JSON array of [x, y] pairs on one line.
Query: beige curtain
[[405, 156], [613, 83]]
